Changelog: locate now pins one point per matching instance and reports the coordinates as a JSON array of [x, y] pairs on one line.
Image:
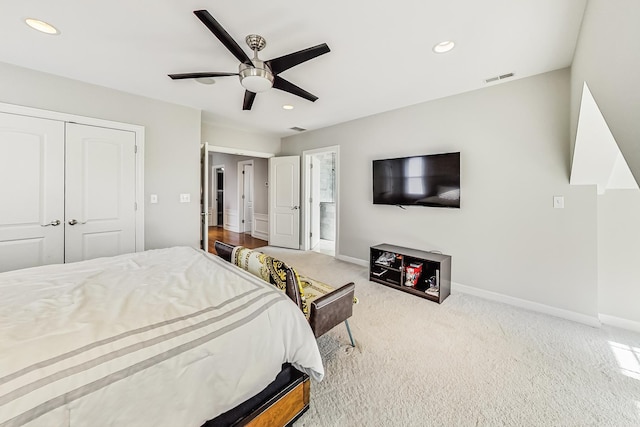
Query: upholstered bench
[[324, 306]]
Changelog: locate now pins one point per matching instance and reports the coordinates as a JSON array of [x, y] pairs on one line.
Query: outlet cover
[[185, 198], [558, 202]]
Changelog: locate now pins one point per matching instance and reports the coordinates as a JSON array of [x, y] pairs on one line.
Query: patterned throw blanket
[[274, 271], [269, 269]]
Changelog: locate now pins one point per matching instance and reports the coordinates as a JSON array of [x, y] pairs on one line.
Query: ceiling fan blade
[[199, 75], [223, 36], [285, 62], [248, 100], [282, 84]]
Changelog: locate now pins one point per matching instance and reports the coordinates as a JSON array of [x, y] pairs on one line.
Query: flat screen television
[[429, 180]]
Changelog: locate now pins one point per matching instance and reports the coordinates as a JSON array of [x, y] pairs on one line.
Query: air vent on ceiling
[[297, 129], [496, 78]]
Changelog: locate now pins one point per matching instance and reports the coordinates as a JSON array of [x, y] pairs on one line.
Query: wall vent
[[496, 78], [298, 129]]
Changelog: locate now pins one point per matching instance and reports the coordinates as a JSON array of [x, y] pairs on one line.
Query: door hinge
[[310, 234], [311, 165], [135, 206], [310, 199], [135, 149], [243, 221]]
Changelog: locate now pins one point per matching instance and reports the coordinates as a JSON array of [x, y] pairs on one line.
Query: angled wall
[[607, 60]]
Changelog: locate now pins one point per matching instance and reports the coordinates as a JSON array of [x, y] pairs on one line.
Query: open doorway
[[321, 200], [227, 207], [216, 198]]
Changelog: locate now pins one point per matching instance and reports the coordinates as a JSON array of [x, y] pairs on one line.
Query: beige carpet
[[467, 362]]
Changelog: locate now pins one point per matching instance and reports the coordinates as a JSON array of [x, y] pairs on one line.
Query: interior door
[[284, 201], [204, 196], [248, 197], [99, 192], [31, 191], [314, 202]]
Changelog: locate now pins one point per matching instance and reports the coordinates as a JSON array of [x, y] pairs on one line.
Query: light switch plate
[[185, 198], [153, 198]]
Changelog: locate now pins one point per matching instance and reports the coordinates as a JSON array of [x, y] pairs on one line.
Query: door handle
[[54, 223], [295, 207], [74, 222]]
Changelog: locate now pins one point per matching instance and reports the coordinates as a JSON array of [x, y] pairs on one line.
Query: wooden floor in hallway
[[226, 236]]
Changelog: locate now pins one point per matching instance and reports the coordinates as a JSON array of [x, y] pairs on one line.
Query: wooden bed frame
[[281, 403]]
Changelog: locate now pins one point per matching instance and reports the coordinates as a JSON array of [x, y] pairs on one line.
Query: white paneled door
[[99, 192], [31, 192], [284, 201], [67, 192], [204, 193]]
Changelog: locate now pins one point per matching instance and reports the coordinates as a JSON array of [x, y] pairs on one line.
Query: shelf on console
[[422, 269]]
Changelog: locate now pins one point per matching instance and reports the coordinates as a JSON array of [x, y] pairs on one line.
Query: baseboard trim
[[521, 303], [619, 322], [351, 260], [528, 305]]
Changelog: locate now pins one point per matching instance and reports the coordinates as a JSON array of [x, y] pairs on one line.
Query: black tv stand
[[422, 273]]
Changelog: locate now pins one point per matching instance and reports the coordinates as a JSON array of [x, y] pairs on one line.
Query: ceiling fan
[[256, 75]]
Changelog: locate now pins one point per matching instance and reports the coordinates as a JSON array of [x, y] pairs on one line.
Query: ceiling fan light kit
[[256, 79], [256, 75]]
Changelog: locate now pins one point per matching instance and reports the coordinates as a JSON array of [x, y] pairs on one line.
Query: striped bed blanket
[[168, 337]]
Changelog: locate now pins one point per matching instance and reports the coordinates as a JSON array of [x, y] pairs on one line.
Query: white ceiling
[[380, 59]]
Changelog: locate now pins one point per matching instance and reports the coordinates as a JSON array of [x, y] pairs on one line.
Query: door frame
[[91, 121], [241, 152], [242, 226], [306, 192]]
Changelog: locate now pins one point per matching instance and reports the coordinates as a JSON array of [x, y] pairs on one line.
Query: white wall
[[221, 136], [506, 238], [619, 254], [172, 156]]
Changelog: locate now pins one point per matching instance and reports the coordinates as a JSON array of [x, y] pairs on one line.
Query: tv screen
[[429, 180]]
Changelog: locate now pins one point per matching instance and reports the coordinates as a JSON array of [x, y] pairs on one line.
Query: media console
[[422, 273]]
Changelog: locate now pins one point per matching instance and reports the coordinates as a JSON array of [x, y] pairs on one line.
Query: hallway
[[243, 239]]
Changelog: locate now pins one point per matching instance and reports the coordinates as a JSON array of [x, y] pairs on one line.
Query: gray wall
[[221, 136], [619, 253], [506, 238], [172, 156], [607, 60]]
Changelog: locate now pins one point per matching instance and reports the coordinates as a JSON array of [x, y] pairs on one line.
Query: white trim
[[240, 191], [528, 305], [90, 121], [619, 322], [305, 229], [351, 260], [230, 219], [260, 228], [240, 152]]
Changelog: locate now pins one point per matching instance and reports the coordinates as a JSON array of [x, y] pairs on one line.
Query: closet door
[[100, 192], [31, 191]]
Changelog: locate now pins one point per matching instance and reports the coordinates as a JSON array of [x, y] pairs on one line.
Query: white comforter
[[168, 337]]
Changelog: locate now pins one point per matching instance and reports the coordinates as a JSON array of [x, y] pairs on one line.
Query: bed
[[168, 337]]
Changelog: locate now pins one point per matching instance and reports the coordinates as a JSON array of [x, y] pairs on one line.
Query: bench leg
[[353, 344]]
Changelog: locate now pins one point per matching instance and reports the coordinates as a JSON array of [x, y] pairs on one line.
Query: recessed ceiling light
[[205, 80], [287, 107], [42, 26], [444, 46]]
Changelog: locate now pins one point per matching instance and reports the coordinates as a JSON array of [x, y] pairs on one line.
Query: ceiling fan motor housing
[[257, 78]]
